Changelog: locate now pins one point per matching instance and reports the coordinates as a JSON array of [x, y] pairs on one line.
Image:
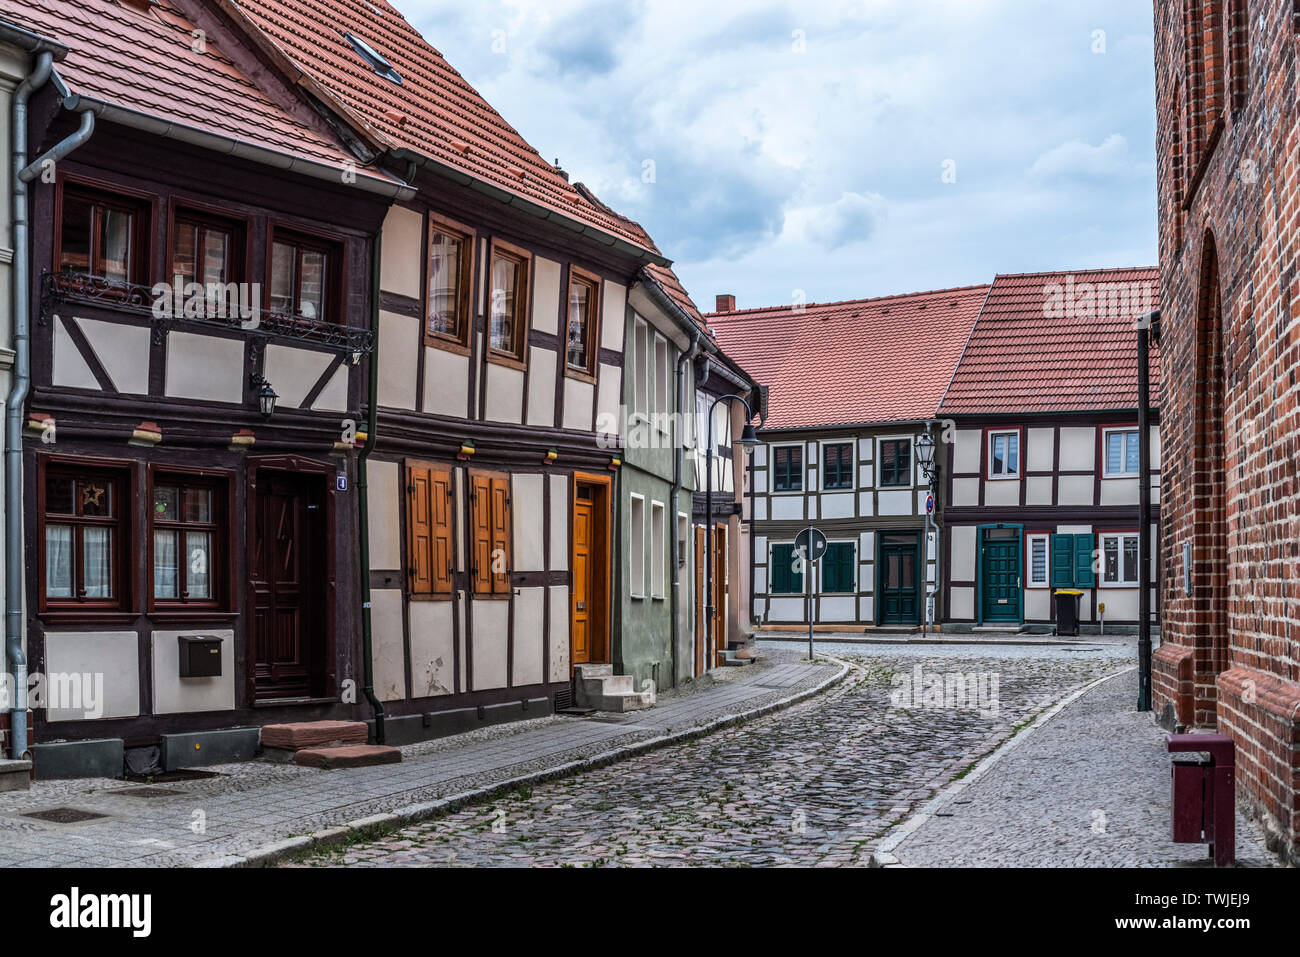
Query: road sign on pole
[[811, 546]]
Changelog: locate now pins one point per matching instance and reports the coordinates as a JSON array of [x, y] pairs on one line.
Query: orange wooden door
[[720, 592], [583, 540]]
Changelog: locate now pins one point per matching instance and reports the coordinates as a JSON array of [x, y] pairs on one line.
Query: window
[[1004, 455], [636, 551], [103, 235], [646, 368], [374, 59], [657, 532], [490, 525], [787, 468], [584, 300], [638, 367], [786, 578], [1119, 559], [209, 251], [1121, 457], [451, 262], [303, 277], [896, 462], [507, 318], [1038, 570], [188, 540], [840, 568], [83, 536], [662, 388], [683, 539], [430, 554], [1072, 557], [837, 466]]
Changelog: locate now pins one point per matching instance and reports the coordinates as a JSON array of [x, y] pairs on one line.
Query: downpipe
[[679, 468], [363, 497]]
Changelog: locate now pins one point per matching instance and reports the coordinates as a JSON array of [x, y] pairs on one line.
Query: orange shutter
[[419, 551], [501, 535], [443, 547], [482, 529]]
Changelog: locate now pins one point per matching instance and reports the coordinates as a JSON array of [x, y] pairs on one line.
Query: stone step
[[313, 734], [347, 756], [622, 703], [592, 671], [608, 684], [15, 775]]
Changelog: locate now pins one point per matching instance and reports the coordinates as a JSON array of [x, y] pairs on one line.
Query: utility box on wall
[[200, 656]]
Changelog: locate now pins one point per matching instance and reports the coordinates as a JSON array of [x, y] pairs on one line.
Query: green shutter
[[1062, 561], [837, 568], [1084, 577], [784, 579]]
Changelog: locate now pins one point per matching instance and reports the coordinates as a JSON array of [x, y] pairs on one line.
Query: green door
[[1000, 575], [899, 587]]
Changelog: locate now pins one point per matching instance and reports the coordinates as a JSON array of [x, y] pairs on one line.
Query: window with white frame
[[787, 468], [662, 387], [1119, 558], [1120, 453], [636, 549], [657, 533], [1039, 562], [1004, 454], [637, 365]]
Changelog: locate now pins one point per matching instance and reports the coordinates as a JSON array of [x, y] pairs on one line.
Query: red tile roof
[[850, 363], [673, 288], [433, 112], [145, 62], [1056, 342]]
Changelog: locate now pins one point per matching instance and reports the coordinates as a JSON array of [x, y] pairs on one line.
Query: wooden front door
[[1000, 575], [589, 616], [288, 641], [701, 564], [721, 592], [900, 578]]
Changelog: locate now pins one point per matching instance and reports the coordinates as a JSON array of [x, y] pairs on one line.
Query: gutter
[[363, 497], [240, 149], [536, 210], [679, 468]]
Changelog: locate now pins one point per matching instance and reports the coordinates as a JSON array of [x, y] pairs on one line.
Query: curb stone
[[883, 856], [276, 851]]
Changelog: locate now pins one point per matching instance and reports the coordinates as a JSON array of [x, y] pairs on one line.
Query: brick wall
[[1228, 155]]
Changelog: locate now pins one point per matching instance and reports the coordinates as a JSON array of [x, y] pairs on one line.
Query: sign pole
[[807, 570]]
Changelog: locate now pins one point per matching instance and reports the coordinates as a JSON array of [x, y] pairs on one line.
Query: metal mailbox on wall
[[200, 656]]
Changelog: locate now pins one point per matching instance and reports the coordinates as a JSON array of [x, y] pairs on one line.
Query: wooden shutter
[[481, 528], [1062, 561], [780, 570], [1084, 576], [429, 554], [501, 533]]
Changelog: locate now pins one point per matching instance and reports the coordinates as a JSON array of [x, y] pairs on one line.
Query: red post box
[[1203, 798]]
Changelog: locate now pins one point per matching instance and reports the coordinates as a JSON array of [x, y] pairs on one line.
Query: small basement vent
[[374, 58], [563, 699]]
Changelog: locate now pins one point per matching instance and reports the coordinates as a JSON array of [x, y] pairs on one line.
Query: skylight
[[374, 58]]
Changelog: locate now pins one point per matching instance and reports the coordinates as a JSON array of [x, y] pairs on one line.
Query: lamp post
[[748, 439], [925, 459]]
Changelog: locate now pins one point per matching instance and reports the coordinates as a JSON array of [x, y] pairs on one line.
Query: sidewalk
[[1088, 787], [255, 812]]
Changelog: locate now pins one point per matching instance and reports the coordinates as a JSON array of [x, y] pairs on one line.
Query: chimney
[[726, 304]]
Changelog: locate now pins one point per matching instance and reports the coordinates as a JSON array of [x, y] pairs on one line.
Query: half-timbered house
[[503, 310], [200, 315], [1039, 440], [852, 385]]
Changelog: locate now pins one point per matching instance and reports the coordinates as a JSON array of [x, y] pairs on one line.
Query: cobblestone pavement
[[255, 803], [1090, 788], [818, 784]]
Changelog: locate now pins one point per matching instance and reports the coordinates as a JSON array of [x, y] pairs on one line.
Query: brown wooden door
[[720, 592], [285, 579], [701, 564], [583, 520]]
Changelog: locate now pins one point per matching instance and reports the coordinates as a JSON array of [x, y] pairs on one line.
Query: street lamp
[[266, 396], [925, 456], [925, 459], [748, 439]]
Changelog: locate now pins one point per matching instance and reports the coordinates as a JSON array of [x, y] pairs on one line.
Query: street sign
[[818, 544], [929, 505]]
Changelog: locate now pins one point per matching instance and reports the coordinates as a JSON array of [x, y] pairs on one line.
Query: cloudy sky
[[835, 149]]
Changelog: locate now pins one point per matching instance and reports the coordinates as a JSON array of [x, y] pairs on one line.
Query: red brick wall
[[1228, 163]]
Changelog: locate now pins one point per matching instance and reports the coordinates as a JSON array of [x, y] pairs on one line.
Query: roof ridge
[[850, 302], [1075, 272]]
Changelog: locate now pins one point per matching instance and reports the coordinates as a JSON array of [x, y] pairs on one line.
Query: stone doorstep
[[15, 775], [347, 756], [314, 734]]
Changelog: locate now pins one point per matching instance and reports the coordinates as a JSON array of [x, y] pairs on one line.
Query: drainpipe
[[931, 529], [1144, 508], [363, 499], [679, 466], [23, 174]]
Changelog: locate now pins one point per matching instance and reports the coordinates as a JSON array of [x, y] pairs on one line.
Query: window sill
[[637, 597], [1133, 476], [1002, 478], [508, 361], [580, 375], [658, 597], [446, 343], [183, 615], [88, 617]]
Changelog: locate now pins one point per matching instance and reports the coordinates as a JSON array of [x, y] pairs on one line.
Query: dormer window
[[374, 59]]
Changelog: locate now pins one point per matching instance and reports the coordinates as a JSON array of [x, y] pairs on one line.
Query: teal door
[[899, 588], [1000, 595]]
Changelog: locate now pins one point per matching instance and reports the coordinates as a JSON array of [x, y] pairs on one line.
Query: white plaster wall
[[546, 295], [401, 266], [786, 609], [527, 516], [1038, 604], [446, 383], [111, 658], [386, 644], [205, 367], [786, 507], [560, 525], [173, 694], [505, 394], [965, 491], [541, 387], [961, 604], [385, 490], [896, 503], [613, 308], [530, 613], [1075, 489], [1038, 490], [433, 654], [123, 351], [1119, 491], [608, 399], [838, 609], [837, 505], [293, 372], [1042, 450], [578, 399], [491, 625], [1004, 492], [866, 504], [966, 451], [1078, 449], [559, 635], [399, 357], [70, 370], [963, 553], [1121, 603]]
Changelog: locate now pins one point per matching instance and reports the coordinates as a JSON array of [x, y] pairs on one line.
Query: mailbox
[[1203, 800], [200, 656]]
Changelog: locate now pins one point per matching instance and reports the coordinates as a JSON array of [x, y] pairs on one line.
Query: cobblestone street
[[819, 784]]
